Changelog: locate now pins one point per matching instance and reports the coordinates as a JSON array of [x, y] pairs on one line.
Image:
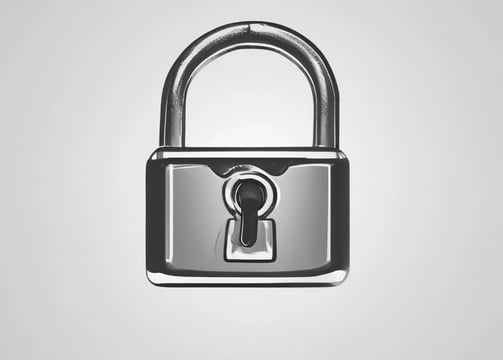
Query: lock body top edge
[[247, 152]]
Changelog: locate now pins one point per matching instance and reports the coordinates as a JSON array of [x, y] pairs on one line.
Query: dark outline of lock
[[172, 152]]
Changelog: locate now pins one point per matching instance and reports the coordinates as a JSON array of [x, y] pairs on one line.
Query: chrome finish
[[256, 35], [194, 221], [195, 233]]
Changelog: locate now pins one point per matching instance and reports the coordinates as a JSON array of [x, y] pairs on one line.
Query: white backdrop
[[421, 122]]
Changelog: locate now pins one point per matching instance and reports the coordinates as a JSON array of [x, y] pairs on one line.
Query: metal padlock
[[256, 216]]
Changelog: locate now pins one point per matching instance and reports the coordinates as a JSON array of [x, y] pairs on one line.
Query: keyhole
[[250, 196]]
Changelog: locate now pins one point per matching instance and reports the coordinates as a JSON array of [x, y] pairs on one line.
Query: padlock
[[248, 216]]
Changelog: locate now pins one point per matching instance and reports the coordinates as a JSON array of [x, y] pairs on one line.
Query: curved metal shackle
[[255, 35]]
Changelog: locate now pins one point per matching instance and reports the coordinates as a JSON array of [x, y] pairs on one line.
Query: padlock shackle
[[254, 35]]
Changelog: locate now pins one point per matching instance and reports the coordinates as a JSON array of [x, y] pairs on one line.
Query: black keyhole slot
[[250, 196]]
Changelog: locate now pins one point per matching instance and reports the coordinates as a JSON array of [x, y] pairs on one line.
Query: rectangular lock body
[[188, 216]]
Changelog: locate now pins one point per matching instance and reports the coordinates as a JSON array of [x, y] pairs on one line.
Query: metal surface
[[289, 225], [192, 217], [257, 35], [195, 233]]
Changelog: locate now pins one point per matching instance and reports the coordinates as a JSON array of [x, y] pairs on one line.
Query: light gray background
[[80, 86]]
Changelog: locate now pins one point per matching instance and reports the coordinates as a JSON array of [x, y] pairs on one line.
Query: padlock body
[[187, 216]]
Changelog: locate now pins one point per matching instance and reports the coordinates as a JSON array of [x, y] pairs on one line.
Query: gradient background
[[421, 121]]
